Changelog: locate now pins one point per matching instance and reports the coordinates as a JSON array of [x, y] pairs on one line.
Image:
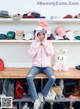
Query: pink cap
[[60, 31]]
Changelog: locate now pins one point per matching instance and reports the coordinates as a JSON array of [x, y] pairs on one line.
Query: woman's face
[[41, 36]]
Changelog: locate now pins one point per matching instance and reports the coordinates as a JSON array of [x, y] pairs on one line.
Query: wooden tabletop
[[23, 72]]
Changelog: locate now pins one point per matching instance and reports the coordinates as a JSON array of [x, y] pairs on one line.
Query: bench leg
[[41, 84], [19, 106]]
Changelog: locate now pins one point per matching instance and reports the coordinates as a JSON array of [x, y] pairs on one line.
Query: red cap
[[1, 65], [68, 16]]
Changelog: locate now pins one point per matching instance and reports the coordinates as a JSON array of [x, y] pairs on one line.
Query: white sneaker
[[37, 104], [25, 106], [2, 95]]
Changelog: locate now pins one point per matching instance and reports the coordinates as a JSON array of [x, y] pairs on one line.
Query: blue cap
[[43, 31]]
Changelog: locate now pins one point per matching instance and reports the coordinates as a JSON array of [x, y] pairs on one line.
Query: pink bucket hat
[[43, 24], [60, 31]]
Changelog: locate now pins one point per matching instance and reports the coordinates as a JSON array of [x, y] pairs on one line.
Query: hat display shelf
[[69, 24]]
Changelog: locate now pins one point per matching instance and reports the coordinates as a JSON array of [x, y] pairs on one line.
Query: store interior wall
[[21, 58]]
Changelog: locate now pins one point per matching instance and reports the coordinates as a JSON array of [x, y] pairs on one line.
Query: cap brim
[[4, 16], [43, 31]]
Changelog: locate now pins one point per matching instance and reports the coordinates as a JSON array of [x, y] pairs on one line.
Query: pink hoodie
[[41, 53]]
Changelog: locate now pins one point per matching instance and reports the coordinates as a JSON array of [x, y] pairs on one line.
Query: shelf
[[53, 41], [65, 41], [27, 41], [7, 20], [28, 98]]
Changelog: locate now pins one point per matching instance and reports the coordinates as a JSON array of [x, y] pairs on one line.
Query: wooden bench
[[23, 72]]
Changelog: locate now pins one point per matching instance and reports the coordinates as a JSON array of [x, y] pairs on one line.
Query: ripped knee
[[53, 77], [29, 75]]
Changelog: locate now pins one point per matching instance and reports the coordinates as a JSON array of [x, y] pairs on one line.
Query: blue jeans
[[32, 73]]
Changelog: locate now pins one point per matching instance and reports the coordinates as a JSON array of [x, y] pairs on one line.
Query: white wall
[[24, 6]]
